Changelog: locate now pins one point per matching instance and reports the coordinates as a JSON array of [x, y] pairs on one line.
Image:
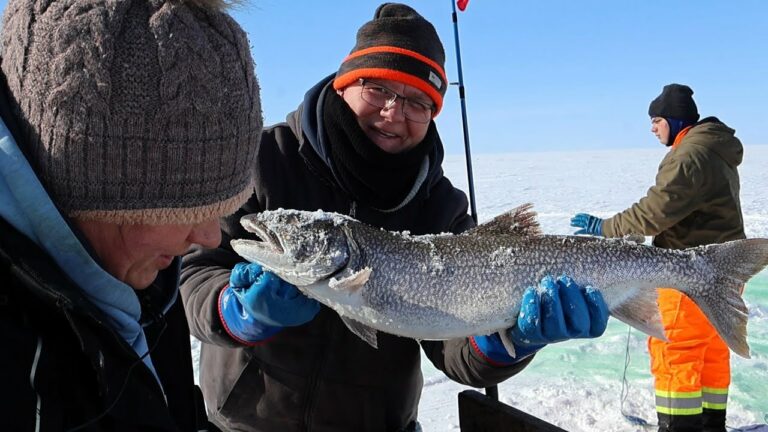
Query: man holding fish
[[362, 143]]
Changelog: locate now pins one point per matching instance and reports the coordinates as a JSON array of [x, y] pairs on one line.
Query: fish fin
[[642, 313], [734, 263], [352, 282], [362, 331], [520, 221], [507, 342], [635, 238]]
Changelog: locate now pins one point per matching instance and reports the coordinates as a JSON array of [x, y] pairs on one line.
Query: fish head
[[300, 247]]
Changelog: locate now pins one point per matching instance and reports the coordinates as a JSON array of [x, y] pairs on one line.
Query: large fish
[[445, 286]]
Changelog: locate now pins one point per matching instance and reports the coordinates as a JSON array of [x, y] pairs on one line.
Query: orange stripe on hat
[[355, 74], [397, 50]]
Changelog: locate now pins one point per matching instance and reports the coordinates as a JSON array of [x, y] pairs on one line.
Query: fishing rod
[[493, 391], [462, 99]]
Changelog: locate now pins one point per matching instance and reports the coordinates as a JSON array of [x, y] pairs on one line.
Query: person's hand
[[257, 304], [591, 225], [270, 299], [558, 310]]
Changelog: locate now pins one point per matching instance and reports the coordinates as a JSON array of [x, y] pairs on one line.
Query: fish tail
[[734, 263]]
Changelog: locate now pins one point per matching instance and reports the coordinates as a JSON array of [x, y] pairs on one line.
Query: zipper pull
[[352, 208]]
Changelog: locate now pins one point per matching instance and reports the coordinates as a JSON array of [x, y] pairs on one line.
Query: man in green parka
[[695, 201]]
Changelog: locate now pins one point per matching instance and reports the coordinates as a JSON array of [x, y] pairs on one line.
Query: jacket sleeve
[[463, 363], [205, 273], [454, 205], [675, 195], [462, 223]]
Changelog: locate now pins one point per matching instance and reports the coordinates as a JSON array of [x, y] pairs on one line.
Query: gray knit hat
[[134, 111]]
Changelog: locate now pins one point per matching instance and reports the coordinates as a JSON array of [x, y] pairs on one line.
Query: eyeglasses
[[381, 97]]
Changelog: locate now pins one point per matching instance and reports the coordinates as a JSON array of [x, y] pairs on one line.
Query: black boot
[[680, 423], [713, 420]]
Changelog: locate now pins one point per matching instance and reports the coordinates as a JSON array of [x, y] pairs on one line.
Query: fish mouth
[[268, 240], [268, 250], [295, 258]]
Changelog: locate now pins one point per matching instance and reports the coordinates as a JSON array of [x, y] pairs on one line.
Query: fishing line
[[635, 420]]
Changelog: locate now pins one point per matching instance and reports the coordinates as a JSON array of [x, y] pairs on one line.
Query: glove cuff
[[492, 350], [239, 324]]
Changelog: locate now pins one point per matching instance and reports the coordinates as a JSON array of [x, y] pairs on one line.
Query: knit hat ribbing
[[134, 111], [676, 102], [400, 45]]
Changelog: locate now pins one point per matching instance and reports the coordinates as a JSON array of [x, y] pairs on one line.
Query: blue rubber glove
[[264, 303], [589, 224], [493, 349], [240, 324], [558, 310]]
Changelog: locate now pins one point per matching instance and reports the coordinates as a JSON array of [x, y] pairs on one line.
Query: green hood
[[713, 134]]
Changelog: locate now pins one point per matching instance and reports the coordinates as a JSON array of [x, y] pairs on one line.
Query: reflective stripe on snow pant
[[692, 369], [714, 398], [678, 403]]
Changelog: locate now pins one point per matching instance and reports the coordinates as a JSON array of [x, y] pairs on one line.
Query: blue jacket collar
[[25, 204]]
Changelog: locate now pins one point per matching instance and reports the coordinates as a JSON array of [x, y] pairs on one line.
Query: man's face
[[135, 254], [660, 128], [387, 127]]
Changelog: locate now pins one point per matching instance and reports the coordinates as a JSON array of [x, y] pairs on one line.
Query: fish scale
[[445, 286]]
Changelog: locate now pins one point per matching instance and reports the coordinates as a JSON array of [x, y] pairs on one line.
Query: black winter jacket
[[63, 367], [320, 376]]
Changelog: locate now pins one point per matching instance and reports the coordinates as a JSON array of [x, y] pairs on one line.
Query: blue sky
[[542, 75]]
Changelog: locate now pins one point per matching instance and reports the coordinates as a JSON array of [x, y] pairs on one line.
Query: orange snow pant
[[692, 370]]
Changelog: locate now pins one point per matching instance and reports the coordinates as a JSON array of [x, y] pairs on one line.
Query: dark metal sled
[[480, 413]]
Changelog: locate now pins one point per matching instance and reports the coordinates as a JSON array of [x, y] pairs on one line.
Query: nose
[[206, 234], [390, 110]]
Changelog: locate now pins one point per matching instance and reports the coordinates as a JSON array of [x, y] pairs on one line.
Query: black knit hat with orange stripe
[[397, 44]]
